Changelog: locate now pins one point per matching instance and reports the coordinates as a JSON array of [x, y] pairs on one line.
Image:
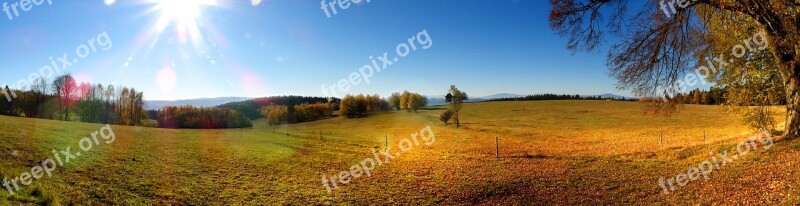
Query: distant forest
[[713, 96], [716, 96], [250, 108], [542, 97], [201, 118], [66, 99]]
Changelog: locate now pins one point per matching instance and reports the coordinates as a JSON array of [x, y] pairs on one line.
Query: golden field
[[551, 152]]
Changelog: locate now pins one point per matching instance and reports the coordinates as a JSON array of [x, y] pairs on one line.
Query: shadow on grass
[[433, 108], [527, 156]]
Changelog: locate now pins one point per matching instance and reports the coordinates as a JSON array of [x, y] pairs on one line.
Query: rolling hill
[[200, 102]]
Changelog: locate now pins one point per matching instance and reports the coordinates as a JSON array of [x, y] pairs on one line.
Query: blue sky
[[282, 47]]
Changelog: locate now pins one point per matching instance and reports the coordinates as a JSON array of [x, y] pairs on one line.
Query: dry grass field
[[551, 152]]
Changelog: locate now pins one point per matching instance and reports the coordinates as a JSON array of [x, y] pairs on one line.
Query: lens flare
[[166, 79]]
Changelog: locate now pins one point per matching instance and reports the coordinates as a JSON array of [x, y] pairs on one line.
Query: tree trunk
[[787, 53], [458, 124], [792, 108]]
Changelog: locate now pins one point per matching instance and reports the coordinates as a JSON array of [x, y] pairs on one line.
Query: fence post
[[387, 142], [704, 137], [661, 140], [496, 147]]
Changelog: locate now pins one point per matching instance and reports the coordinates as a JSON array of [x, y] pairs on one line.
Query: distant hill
[[201, 102], [434, 100]]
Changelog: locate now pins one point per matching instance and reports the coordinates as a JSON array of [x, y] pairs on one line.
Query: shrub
[[445, 117]]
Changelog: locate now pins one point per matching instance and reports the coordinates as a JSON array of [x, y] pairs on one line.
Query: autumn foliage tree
[[661, 42], [276, 114], [360, 105], [411, 101], [282, 114], [252, 108], [394, 101], [201, 118], [309, 112]]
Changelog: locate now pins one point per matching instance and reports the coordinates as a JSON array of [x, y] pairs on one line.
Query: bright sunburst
[[179, 11], [183, 15]]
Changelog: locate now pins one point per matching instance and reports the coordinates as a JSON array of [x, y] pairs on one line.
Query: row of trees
[[717, 96], [407, 100], [714, 96], [201, 118], [65, 96], [282, 114], [542, 97], [359, 105], [351, 106], [98, 102], [252, 108]]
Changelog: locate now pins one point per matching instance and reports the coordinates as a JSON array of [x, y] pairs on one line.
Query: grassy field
[[551, 152]]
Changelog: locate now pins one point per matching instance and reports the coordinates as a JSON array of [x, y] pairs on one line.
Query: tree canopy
[[657, 45]]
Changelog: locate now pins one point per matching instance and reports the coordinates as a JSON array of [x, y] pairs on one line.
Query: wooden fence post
[[497, 147]]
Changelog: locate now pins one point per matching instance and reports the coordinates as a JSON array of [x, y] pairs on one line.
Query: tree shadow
[[433, 108], [527, 156]]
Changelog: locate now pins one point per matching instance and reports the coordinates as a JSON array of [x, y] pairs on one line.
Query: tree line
[[296, 109], [252, 108], [542, 97], [283, 114], [713, 96], [353, 106], [201, 118], [717, 96], [64, 96]]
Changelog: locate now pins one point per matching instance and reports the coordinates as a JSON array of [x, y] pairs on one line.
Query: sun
[[184, 16], [179, 11]]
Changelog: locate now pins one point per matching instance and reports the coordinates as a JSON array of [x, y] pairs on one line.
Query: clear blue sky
[[282, 47]]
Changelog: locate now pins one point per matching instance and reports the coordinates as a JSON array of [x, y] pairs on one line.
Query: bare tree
[[661, 39]]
